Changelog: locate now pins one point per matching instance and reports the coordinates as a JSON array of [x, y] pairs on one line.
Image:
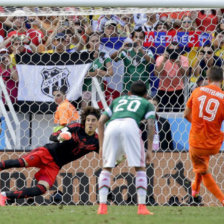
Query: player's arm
[[151, 132], [103, 119], [188, 113]]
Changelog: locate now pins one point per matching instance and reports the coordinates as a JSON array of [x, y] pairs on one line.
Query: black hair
[[215, 74], [89, 111], [162, 23], [138, 88], [139, 30], [62, 89], [209, 45]]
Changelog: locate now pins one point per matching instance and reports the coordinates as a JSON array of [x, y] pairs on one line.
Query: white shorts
[[123, 137]]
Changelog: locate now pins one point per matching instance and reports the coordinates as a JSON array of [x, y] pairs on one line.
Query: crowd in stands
[[171, 71]]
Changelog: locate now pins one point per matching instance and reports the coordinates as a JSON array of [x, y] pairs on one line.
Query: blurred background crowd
[[121, 55]]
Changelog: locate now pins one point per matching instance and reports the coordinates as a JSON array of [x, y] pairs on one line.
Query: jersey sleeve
[[150, 114], [109, 110]]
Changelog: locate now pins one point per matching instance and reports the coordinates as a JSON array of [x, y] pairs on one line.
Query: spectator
[[49, 23], [138, 63], [105, 18], [9, 75], [218, 44], [151, 22], [220, 27], [61, 43], [187, 24], [171, 68], [19, 25], [100, 67], [66, 112], [163, 137], [129, 25], [162, 27], [110, 29], [206, 60]]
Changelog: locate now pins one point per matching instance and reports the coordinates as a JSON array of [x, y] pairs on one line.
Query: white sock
[[141, 186], [104, 185]]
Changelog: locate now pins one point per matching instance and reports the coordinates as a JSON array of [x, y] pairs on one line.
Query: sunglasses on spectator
[[207, 52], [188, 21]]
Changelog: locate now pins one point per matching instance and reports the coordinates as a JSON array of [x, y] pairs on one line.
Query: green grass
[[117, 215]]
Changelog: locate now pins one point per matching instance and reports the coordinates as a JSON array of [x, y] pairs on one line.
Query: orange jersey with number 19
[[207, 105]]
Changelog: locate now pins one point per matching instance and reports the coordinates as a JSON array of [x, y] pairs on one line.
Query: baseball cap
[[4, 51], [111, 22]]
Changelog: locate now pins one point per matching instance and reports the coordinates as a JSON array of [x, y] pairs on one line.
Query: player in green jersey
[[122, 136]]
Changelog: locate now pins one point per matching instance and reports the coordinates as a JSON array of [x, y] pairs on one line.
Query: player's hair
[[89, 111], [215, 74], [138, 88], [61, 89]]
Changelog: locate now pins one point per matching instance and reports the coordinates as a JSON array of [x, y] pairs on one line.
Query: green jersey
[[135, 107], [99, 63], [135, 68]]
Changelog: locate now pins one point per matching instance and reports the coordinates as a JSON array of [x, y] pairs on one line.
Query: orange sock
[[197, 182], [211, 185]]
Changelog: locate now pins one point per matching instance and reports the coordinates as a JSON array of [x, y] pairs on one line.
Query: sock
[[197, 182], [211, 185], [141, 186], [11, 163], [104, 185], [26, 192]]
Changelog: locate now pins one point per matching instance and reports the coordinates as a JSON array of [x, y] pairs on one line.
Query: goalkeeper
[[70, 143]]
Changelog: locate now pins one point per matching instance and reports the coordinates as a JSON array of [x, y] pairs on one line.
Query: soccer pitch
[[117, 215]]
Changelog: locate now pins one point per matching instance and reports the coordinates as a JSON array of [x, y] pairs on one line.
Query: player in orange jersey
[[205, 111]]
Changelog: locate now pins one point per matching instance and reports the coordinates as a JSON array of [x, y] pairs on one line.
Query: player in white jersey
[[122, 136]]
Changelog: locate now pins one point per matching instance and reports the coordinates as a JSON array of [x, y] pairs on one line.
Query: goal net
[[94, 55]]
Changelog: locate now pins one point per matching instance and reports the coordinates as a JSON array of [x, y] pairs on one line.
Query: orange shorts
[[41, 158], [200, 158]]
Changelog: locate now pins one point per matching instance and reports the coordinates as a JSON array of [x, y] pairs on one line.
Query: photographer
[[138, 62], [171, 68]]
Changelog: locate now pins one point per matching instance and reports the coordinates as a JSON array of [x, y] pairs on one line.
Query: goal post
[[117, 3]]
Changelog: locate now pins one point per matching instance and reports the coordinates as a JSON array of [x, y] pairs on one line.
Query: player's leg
[[201, 166], [39, 189], [141, 187], [111, 145], [12, 163], [195, 187], [45, 176], [30, 159], [197, 164], [135, 153], [212, 186], [104, 186]]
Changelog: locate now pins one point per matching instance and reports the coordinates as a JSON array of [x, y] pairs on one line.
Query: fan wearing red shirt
[[20, 23]]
